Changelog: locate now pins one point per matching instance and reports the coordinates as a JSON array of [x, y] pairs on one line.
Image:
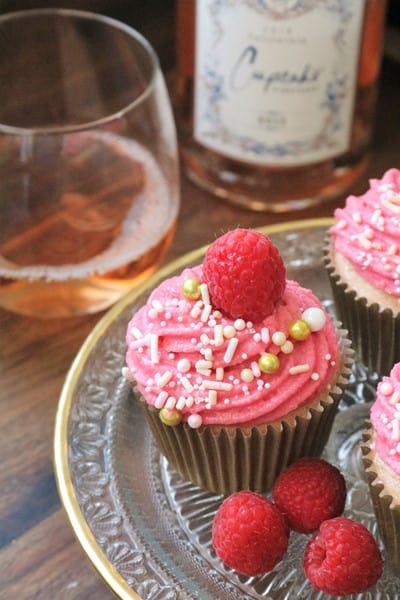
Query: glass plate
[[145, 530]]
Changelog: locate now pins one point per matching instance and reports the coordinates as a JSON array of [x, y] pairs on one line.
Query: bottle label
[[275, 80]]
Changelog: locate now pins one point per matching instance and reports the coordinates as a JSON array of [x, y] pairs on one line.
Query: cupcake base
[[374, 331], [385, 500], [228, 459]]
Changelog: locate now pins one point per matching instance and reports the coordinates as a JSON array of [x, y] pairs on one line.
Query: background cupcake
[[381, 457], [239, 371], [363, 263]]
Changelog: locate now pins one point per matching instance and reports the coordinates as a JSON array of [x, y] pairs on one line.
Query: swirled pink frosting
[[367, 232], [385, 419], [181, 356]]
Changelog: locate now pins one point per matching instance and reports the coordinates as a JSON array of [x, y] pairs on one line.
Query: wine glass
[[89, 184]]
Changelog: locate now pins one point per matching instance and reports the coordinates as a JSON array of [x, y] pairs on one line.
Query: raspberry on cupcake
[[238, 370]]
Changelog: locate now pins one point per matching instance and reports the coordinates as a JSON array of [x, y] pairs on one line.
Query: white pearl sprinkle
[[315, 318], [195, 421]]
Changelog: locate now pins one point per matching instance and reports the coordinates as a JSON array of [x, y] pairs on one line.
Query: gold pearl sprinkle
[[191, 288], [299, 330], [170, 417], [268, 363]]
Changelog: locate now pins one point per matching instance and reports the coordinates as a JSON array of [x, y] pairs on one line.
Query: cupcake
[[381, 458], [363, 263], [237, 369]]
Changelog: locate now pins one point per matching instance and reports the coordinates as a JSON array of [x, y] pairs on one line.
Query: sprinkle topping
[[208, 368]]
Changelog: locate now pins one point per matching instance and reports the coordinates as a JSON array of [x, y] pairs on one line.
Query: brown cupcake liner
[[387, 512], [374, 332], [228, 459]]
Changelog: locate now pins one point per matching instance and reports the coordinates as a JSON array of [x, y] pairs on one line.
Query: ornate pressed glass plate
[[147, 532]]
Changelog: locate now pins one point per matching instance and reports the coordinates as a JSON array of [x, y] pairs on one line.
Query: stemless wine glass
[[89, 186]]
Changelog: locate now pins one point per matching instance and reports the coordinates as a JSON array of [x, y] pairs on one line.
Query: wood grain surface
[[39, 556]]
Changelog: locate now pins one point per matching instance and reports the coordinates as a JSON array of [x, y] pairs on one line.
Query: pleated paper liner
[[387, 512], [228, 459], [374, 332]]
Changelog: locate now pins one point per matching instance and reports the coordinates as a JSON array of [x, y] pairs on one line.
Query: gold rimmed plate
[[145, 530]]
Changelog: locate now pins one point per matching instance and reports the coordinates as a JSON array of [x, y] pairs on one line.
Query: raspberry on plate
[[309, 492], [245, 274], [342, 558], [249, 534]]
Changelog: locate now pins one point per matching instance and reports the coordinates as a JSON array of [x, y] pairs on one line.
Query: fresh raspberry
[[342, 558], [308, 492], [249, 533], [245, 274]]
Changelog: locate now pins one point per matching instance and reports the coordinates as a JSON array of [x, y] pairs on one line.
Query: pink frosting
[[367, 232], [169, 335], [385, 419]]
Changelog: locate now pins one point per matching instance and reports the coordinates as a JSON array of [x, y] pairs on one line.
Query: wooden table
[[39, 556]]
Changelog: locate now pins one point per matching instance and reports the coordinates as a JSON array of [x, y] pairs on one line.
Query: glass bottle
[[275, 99]]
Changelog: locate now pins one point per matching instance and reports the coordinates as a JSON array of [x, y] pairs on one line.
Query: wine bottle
[[275, 99]]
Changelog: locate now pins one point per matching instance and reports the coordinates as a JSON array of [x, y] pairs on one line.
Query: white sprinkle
[[287, 347], [202, 365], [375, 216], [164, 379], [239, 324], [328, 356], [299, 369], [189, 401], [204, 372], [212, 397], [229, 331], [333, 363], [152, 313], [255, 369], [247, 375], [249, 324], [364, 242], [170, 403], [206, 313], [396, 430], [395, 397], [196, 310], [183, 365], [204, 339], [257, 337], [357, 218], [314, 317], [136, 333], [216, 385], [160, 400], [139, 343], [204, 293], [231, 349], [125, 372], [218, 335], [208, 353], [244, 356], [181, 403], [265, 337], [315, 376], [278, 338], [393, 249], [186, 384], [386, 388], [341, 224], [156, 304], [219, 373], [195, 421], [154, 348]]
